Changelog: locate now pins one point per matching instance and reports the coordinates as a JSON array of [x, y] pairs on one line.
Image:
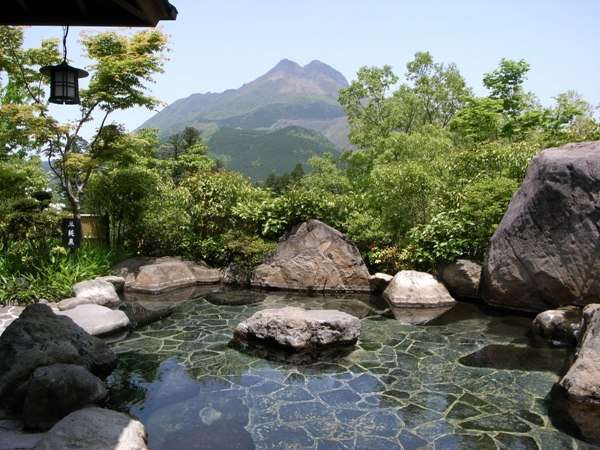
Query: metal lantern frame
[[64, 79], [64, 83]]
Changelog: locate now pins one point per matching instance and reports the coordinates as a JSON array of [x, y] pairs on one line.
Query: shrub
[[461, 232]]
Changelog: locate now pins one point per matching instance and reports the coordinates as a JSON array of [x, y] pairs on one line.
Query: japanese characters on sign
[[71, 229]]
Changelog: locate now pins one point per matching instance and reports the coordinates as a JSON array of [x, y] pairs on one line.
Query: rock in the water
[[156, 275], [57, 390], [299, 329], [462, 278], [582, 381], [95, 429], [379, 282], [559, 327], [412, 289], [97, 320], [41, 338], [576, 398], [314, 257], [117, 282], [546, 251], [236, 275]]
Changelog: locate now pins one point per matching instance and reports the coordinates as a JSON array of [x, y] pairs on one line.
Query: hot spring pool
[[469, 379]]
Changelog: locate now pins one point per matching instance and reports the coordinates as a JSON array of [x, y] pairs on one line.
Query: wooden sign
[[71, 229]]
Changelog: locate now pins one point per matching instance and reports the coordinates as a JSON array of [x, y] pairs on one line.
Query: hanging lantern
[[64, 79], [64, 83]]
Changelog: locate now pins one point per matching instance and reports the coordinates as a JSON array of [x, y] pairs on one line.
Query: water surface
[[465, 380]]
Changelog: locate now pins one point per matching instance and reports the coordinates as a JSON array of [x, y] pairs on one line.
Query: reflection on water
[[402, 386], [418, 316]]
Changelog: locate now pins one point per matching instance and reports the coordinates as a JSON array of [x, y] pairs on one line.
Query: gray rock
[[13, 437], [97, 320], [559, 327], [462, 278], [117, 282], [412, 289], [314, 257], [57, 390], [576, 398], [41, 338], [157, 275], [95, 429], [236, 275], [379, 282], [97, 292], [546, 251], [582, 381], [299, 329]]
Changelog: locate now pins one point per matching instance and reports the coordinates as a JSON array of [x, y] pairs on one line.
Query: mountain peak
[[319, 67], [286, 65]]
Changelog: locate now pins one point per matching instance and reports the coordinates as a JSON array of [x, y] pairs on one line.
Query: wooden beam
[[131, 9], [24, 6]]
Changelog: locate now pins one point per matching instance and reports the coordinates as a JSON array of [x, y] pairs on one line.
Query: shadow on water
[[575, 418], [513, 357]]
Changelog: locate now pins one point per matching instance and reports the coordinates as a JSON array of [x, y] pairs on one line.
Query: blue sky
[[217, 45]]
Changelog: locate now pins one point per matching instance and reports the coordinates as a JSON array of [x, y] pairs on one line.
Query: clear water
[[466, 380]]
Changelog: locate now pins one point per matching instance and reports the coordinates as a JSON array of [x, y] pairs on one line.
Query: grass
[[53, 278]]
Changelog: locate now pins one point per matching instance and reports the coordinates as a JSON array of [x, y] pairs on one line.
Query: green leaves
[[121, 66]]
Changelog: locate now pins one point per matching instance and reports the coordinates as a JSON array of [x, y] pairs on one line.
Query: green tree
[[370, 114], [121, 66], [506, 84]]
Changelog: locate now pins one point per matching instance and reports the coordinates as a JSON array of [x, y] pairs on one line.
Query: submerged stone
[[513, 441], [465, 442], [497, 422]]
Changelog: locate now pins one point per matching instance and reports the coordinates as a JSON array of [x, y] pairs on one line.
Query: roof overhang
[[92, 13]]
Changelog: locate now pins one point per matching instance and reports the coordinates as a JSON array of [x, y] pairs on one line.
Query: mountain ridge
[[287, 95]]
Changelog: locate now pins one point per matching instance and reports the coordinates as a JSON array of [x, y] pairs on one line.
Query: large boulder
[[314, 257], [379, 282], [97, 292], [299, 329], [41, 338], [412, 289], [462, 278], [576, 398], [57, 390], [95, 429], [546, 251], [157, 275], [559, 327], [97, 320]]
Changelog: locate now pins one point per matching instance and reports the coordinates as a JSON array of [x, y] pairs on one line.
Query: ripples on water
[[465, 379]]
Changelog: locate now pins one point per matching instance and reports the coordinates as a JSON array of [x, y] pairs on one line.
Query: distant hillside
[[257, 153], [288, 95]]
